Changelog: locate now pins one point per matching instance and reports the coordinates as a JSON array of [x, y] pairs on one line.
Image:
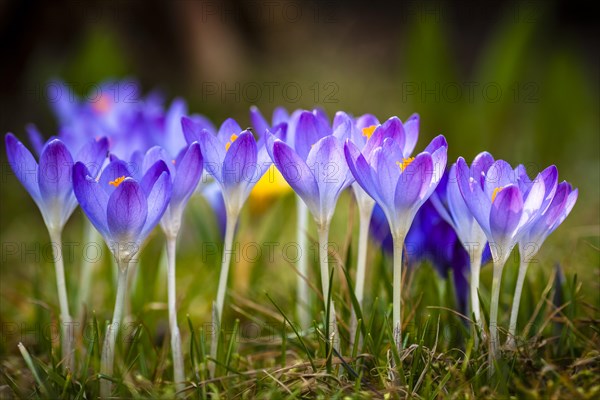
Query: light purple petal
[[113, 171], [24, 166], [414, 182], [366, 121], [307, 134], [393, 129], [240, 167], [228, 128], [505, 215], [280, 116], [500, 174], [259, 123], [532, 202], [213, 154], [385, 163], [297, 174], [93, 154], [473, 195], [481, 164], [411, 134], [189, 171], [35, 138], [330, 171], [54, 173], [152, 174], [361, 170], [127, 210], [342, 126], [91, 197], [157, 202]]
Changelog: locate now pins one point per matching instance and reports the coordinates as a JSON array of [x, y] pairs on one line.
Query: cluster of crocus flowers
[[158, 156]]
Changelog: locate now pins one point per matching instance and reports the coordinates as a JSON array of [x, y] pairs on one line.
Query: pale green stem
[[323, 230], [63, 300], [514, 314], [302, 290], [496, 278], [361, 265], [178, 371], [397, 290], [110, 340], [222, 288], [87, 268]]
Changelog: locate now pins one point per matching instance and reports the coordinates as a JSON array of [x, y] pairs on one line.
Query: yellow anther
[[368, 131], [231, 140], [117, 181], [495, 193], [404, 163], [173, 161]]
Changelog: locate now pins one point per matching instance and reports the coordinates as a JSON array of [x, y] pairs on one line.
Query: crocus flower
[[185, 172], [450, 204], [400, 186], [303, 129], [367, 134], [50, 186], [505, 203], [532, 239], [124, 211], [318, 174], [49, 183], [234, 160]]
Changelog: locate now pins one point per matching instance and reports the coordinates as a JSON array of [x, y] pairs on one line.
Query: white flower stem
[[178, 371], [514, 314], [496, 278], [302, 290], [475, 257], [108, 349], [365, 212], [222, 289], [87, 269], [323, 230], [63, 300], [397, 290]]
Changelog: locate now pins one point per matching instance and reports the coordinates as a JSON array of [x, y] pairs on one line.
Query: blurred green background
[[519, 79]]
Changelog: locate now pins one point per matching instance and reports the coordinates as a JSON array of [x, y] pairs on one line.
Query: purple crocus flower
[[121, 208], [400, 186], [236, 162], [319, 178], [232, 158], [124, 211], [505, 203], [368, 134], [318, 174], [185, 171], [549, 219], [559, 209], [451, 205], [49, 183]]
